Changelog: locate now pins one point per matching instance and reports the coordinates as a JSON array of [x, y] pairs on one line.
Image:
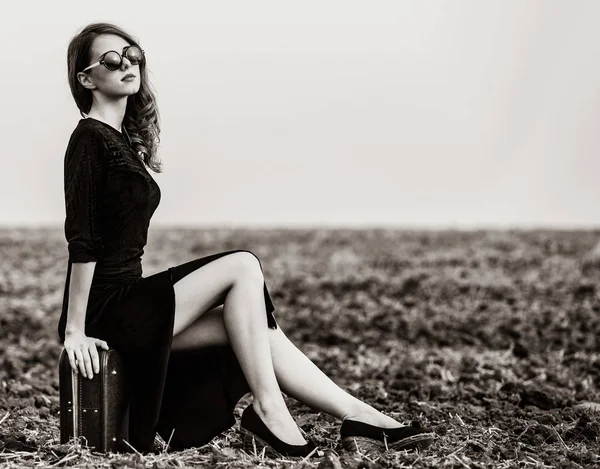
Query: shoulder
[[90, 129], [90, 132], [86, 142], [111, 140], [85, 132]]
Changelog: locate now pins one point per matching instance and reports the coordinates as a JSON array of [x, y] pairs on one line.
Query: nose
[[125, 63]]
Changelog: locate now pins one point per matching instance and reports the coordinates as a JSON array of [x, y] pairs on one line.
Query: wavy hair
[[142, 120]]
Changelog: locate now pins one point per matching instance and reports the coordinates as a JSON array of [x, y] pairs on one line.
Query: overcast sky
[[340, 113]]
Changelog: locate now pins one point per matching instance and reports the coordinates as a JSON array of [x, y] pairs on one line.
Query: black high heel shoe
[[366, 438], [258, 436]]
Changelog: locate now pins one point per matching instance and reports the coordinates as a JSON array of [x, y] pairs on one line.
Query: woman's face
[[110, 83]]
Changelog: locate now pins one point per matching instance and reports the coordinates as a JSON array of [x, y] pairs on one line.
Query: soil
[[488, 338]]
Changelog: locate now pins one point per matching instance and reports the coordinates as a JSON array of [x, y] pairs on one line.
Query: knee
[[249, 266]]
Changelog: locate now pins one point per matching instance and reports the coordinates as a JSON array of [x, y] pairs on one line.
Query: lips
[[128, 76]]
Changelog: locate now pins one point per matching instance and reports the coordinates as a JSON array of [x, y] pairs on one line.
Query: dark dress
[[110, 198]]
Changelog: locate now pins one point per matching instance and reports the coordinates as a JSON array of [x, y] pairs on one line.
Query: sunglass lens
[[135, 55], [112, 61]]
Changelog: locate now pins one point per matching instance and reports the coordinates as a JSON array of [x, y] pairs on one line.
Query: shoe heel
[[251, 426], [255, 446]]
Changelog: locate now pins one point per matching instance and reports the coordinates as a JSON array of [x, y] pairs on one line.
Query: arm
[[82, 274], [83, 183]]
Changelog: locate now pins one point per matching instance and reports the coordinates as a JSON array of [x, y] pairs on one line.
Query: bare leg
[[237, 281], [245, 323], [301, 379], [297, 375]]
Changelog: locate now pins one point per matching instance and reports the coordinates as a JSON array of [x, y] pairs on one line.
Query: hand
[[82, 353]]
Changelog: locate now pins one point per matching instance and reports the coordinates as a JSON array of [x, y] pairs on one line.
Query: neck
[[110, 112]]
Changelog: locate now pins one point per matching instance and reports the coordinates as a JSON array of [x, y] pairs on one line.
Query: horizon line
[[340, 226]]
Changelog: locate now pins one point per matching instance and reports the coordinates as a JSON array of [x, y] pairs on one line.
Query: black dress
[[110, 198]]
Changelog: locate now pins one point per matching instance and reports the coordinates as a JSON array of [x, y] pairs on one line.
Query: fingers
[[80, 361], [84, 357], [102, 344], [95, 358], [71, 359], [87, 358]]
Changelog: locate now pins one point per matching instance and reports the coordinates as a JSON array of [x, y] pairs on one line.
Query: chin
[[130, 90], [135, 86], [123, 89], [134, 91]]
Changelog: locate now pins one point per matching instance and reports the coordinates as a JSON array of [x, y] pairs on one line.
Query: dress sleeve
[[83, 184]]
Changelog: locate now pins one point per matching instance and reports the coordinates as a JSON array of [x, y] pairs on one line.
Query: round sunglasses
[[112, 60]]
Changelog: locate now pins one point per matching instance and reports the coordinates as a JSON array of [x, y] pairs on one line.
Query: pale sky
[[328, 113]]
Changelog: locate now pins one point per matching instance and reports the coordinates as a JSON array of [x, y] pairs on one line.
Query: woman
[[197, 336]]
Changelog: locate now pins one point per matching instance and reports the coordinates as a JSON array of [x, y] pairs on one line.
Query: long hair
[[141, 120]]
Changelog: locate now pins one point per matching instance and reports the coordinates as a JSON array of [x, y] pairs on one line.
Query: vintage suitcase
[[98, 408]]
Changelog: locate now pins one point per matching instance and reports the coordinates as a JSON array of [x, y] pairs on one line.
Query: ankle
[[269, 407], [373, 417], [278, 422], [358, 411]]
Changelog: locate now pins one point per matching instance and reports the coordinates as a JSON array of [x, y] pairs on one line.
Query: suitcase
[[98, 408]]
